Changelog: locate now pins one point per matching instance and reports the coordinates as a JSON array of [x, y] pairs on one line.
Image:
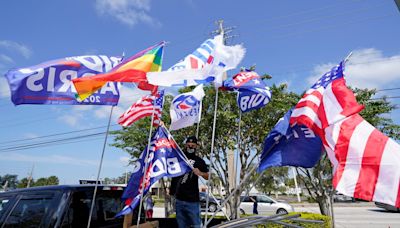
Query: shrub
[[304, 215]]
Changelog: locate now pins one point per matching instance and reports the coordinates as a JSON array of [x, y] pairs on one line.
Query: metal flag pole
[[198, 121], [211, 152], [99, 170], [146, 164], [241, 183], [221, 31]]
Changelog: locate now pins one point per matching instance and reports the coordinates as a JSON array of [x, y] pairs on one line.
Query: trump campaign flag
[[252, 91], [142, 108], [185, 108], [289, 145], [50, 82], [132, 69], [365, 161], [206, 64], [165, 160]]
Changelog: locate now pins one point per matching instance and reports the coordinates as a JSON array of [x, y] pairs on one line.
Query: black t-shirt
[[186, 187]]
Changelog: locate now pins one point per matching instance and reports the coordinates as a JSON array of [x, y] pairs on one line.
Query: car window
[[4, 204], [30, 211], [246, 199], [107, 205], [264, 199]]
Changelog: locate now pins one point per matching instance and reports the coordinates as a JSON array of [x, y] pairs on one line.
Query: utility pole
[[30, 177]]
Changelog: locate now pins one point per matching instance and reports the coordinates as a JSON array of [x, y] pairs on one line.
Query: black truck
[[61, 206]]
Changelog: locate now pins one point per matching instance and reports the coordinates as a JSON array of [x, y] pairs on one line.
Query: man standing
[[185, 188]]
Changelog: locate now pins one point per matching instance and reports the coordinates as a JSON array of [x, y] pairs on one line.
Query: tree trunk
[[325, 204]]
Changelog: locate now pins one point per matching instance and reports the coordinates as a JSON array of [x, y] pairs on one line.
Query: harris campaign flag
[[365, 161], [50, 82], [206, 64], [289, 145], [252, 91], [132, 69], [142, 108], [185, 109], [165, 160]]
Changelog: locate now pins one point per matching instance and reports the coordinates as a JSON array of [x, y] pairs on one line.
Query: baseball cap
[[191, 139]]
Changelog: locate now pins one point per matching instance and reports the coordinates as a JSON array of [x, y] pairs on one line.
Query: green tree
[[8, 181], [46, 181], [254, 127], [272, 180], [23, 183]]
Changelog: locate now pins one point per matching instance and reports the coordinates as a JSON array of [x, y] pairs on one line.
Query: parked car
[[338, 197], [387, 207], [212, 203], [61, 206], [265, 205]]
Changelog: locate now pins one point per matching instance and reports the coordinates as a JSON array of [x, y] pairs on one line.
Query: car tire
[[281, 211], [212, 207], [242, 211]]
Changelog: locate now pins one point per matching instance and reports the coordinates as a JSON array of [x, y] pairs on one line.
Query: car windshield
[[264, 199]]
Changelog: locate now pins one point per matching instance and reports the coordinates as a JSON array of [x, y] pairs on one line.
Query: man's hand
[[200, 174]]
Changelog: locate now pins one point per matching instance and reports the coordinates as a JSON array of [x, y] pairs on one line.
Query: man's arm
[[200, 174]]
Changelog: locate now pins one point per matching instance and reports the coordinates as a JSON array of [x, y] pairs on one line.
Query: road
[[349, 215], [355, 215]]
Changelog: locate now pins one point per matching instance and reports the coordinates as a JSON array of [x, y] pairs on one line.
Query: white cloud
[[4, 88], [367, 68], [129, 12], [6, 59], [72, 119], [30, 135], [14, 46]]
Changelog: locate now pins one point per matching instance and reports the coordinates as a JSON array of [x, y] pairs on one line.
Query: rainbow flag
[[133, 69]]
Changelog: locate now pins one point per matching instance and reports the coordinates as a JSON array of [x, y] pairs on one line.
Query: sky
[[294, 41]]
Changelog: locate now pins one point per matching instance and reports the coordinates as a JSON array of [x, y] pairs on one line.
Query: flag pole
[[99, 170], [198, 121], [240, 184], [221, 31], [238, 152], [212, 151], [146, 164]]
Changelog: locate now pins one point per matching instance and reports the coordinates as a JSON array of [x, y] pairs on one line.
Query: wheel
[[281, 211], [242, 211], [212, 207]]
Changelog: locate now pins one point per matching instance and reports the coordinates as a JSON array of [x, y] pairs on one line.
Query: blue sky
[[294, 41]]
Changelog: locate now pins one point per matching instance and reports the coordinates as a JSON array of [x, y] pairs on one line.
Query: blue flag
[[253, 93], [294, 146], [50, 82], [165, 160]]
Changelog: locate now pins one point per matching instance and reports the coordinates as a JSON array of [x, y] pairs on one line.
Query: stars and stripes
[[328, 101], [365, 161], [142, 108]]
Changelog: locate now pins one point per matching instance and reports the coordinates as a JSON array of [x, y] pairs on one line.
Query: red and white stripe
[[323, 106], [366, 162], [140, 109]]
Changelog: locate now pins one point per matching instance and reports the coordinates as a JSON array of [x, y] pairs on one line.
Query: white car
[[265, 205]]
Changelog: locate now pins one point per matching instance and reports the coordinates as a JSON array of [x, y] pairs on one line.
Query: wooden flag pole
[[99, 170]]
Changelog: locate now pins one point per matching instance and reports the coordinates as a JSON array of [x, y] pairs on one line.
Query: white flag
[[206, 64], [185, 109]]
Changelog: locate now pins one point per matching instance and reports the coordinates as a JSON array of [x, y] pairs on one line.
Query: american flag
[[142, 108], [328, 101], [365, 161]]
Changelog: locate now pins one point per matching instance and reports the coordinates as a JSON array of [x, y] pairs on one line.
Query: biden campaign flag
[[165, 159], [50, 82], [185, 109], [252, 91], [289, 145]]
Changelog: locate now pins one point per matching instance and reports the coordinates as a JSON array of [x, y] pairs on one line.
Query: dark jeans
[[188, 214]]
